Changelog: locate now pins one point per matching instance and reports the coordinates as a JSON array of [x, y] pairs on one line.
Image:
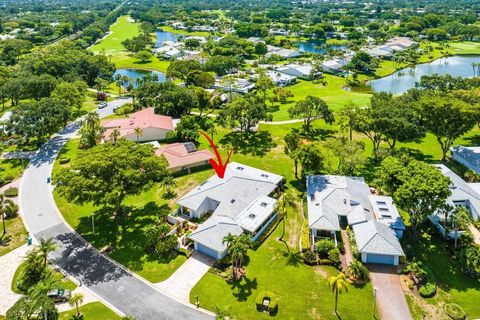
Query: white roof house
[[240, 202], [168, 52], [468, 156], [255, 40], [240, 85], [334, 65], [305, 71], [282, 52], [333, 200], [278, 78], [199, 38]]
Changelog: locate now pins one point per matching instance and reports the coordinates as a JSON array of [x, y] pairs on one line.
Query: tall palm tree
[[2, 212], [118, 81], [75, 301], [46, 246], [288, 200], [138, 132], [338, 284], [237, 247], [93, 129], [114, 136]]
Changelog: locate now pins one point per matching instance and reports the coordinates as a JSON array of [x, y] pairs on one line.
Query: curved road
[[114, 284]]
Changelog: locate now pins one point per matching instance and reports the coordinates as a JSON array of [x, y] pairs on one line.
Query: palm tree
[[138, 132], [237, 249], [118, 81], [288, 200], [75, 301], [338, 284], [114, 136], [46, 246], [92, 129], [2, 212]]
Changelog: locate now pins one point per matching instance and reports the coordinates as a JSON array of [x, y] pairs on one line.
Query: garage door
[[207, 251], [379, 258]]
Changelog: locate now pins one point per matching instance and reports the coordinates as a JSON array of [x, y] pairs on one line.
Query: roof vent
[[251, 215], [263, 204], [232, 201], [240, 168], [344, 201], [381, 203], [264, 175]]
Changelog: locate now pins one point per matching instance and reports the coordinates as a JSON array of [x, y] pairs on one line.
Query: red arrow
[[218, 165]]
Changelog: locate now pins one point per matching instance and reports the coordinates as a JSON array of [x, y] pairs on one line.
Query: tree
[[46, 246], [350, 154], [288, 200], [263, 84], [311, 158], [283, 94], [222, 65], [75, 301], [91, 132], [237, 247], [347, 118], [8, 208], [243, 112], [420, 188], [108, 173], [192, 43], [292, 142], [338, 284], [182, 69], [312, 108], [144, 56], [138, 133], [114, 135], [187, 129], [71, 94], [229, 82], [365, 123], [199, 78], [446, 118]]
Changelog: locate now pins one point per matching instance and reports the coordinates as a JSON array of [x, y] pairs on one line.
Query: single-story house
[[304, 71], [184, 156], [336, 201], [241, 85], [168, 52], [334, 65], [401, 42], [279, 32], [282, 52], [255, 40], [153, 126], [279, 79], [239, 203], [199, 38], [468, 156]]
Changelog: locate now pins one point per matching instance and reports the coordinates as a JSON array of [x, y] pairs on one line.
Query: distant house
[[168, 52], [282, 52], [304, 71], [239, 203], [199, 38], [240, 85], [256, 40], [396, 44], [280, 79], [401, 42], [183, 156], [279, 32], [468, 156], [336, 201], [463, 194], [334, 65], [153, 126]]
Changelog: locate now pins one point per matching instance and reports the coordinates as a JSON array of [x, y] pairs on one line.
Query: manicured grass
[[185, 32], [121, 30], [65, 282], [12, 169], [454, 285], [91, 311], [126, 60], [465, 47], [16, 229]]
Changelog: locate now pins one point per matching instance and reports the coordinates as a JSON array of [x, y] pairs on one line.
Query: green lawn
[[12, 169], [454, 285], [91, 311], [18, 234], [465, 47], [121, 30], [185, 32]]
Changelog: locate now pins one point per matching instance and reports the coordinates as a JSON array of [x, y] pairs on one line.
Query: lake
[[317, 47], [135, 74], [404, 79], [164, 36]]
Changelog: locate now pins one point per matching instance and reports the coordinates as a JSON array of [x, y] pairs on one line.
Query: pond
[[318, 47], [136, 74], [164, 36], [405, 79]]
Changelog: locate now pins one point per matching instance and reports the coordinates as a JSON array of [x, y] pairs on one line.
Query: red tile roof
[[178, 156], [143, 119]]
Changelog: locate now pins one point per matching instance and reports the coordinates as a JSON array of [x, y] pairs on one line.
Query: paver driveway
[[391, 301]]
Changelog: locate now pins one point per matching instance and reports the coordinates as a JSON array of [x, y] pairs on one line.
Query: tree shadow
[[472, 141], [255, 143], [125, 233], [315, 134], [243, 287]]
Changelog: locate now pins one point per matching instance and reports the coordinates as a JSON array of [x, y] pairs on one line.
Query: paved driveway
[[391, 301], [9, 264], [179, 284], [117, 287]]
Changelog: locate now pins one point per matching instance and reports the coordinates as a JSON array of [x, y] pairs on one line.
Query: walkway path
[[475, 233], [179, 284], [348, 252], [9, 264], [391, 301], [119, 288]]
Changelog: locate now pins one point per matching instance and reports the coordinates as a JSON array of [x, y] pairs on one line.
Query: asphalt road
[[112, 283]]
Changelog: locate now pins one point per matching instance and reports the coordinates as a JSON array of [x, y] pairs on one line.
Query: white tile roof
[[375, 237], [386, 212], [214, 230], [469, 156]]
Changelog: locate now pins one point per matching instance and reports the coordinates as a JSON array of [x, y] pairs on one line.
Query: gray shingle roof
[[375, 237], [469, 156], [212, 232]]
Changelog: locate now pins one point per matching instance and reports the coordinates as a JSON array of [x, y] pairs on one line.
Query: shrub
[[455, 312], [309, 257], [341, 247], [126, 109], [334, 256], [11, 192], [273, 305], [428, 290], [64, 160], [324, 246], [358, 271], [101, 96]]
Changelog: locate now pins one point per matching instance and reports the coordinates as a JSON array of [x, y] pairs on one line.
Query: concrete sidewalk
[[9, 264], [179, 284]]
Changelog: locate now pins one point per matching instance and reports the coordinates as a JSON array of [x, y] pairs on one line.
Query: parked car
[[59, 295], [102, 105]]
